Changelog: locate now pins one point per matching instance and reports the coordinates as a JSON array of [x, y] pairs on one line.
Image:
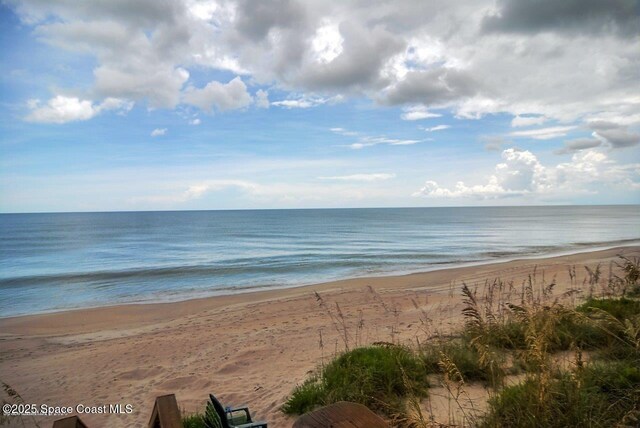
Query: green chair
[[217, 416]]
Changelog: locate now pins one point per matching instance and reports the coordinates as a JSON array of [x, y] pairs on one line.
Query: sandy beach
[[247, 349]]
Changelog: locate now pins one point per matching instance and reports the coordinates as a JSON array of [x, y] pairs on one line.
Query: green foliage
[[614, 378], [604, 391], [378, 377], [208, 419], [570, 328], [509, 334], [211, 418], [306, 397], [622, 308], [600, 395], [193, 421], [575, 331], [461, 353]]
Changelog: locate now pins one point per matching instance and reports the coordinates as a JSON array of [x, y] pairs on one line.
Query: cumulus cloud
[[521, 173], [434, 87], [158, 132], [62, 109], [582, 16], [219, 96], [528, 59]]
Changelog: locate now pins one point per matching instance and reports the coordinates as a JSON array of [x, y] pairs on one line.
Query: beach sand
[[246, 349]]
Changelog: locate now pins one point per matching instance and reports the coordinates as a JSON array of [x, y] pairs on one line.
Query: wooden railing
[[166, 413]]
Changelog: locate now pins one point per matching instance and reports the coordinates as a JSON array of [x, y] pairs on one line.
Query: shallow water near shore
[[61, 261]]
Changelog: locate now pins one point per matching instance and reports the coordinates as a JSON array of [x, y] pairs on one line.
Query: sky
[[121, 105]]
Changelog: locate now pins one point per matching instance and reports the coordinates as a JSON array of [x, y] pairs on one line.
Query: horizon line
[[319, 208]]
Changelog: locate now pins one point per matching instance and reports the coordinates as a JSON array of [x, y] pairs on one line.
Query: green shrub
[[510, 334], [569, 331], [461, 353], [572, 331], [621, 308], [617, 379], [378, 377], [305, 397], [600, 395], [193, 421]]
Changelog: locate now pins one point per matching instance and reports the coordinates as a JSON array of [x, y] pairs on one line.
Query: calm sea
[[51, 262]]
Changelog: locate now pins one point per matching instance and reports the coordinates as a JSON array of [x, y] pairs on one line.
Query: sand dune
[[247, 349]]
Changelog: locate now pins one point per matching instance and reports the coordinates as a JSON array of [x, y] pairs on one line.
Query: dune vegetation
[[541, 359]]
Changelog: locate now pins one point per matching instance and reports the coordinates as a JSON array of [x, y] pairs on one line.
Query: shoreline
[[243, 291], [246, 348], [267, 293]]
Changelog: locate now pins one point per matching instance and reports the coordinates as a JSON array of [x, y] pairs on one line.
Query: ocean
[[51, 262]]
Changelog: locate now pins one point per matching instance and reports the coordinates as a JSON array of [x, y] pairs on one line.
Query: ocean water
[[52, 262]]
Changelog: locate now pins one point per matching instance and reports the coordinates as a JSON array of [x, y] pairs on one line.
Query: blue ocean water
[[59, 261]]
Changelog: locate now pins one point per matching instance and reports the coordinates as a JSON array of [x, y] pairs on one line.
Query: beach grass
[[379, 377], [544, 360]]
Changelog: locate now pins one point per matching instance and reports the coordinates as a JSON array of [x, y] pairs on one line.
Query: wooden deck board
[[341, 415]]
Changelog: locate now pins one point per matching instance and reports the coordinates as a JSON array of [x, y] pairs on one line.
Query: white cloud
[[195, 122], [527, 121], [120, 105], [543, 133], [307, 102], [62, 109], [418, 113], [360, 177], [302, 103], [160, 87], [327, 42], [344, 132], [262, 99], [369, 141], [486, 191], [159, 132], [521, 173], [375, 141], [219, 96], [437, 128], [471, 57]]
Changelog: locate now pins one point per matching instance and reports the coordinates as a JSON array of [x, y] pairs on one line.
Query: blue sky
[[216, 105]]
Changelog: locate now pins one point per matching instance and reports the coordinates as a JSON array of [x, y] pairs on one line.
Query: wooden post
[[69, 422], [165, 413]]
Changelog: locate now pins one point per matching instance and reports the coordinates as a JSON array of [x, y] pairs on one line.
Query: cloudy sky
[[189, 104]]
